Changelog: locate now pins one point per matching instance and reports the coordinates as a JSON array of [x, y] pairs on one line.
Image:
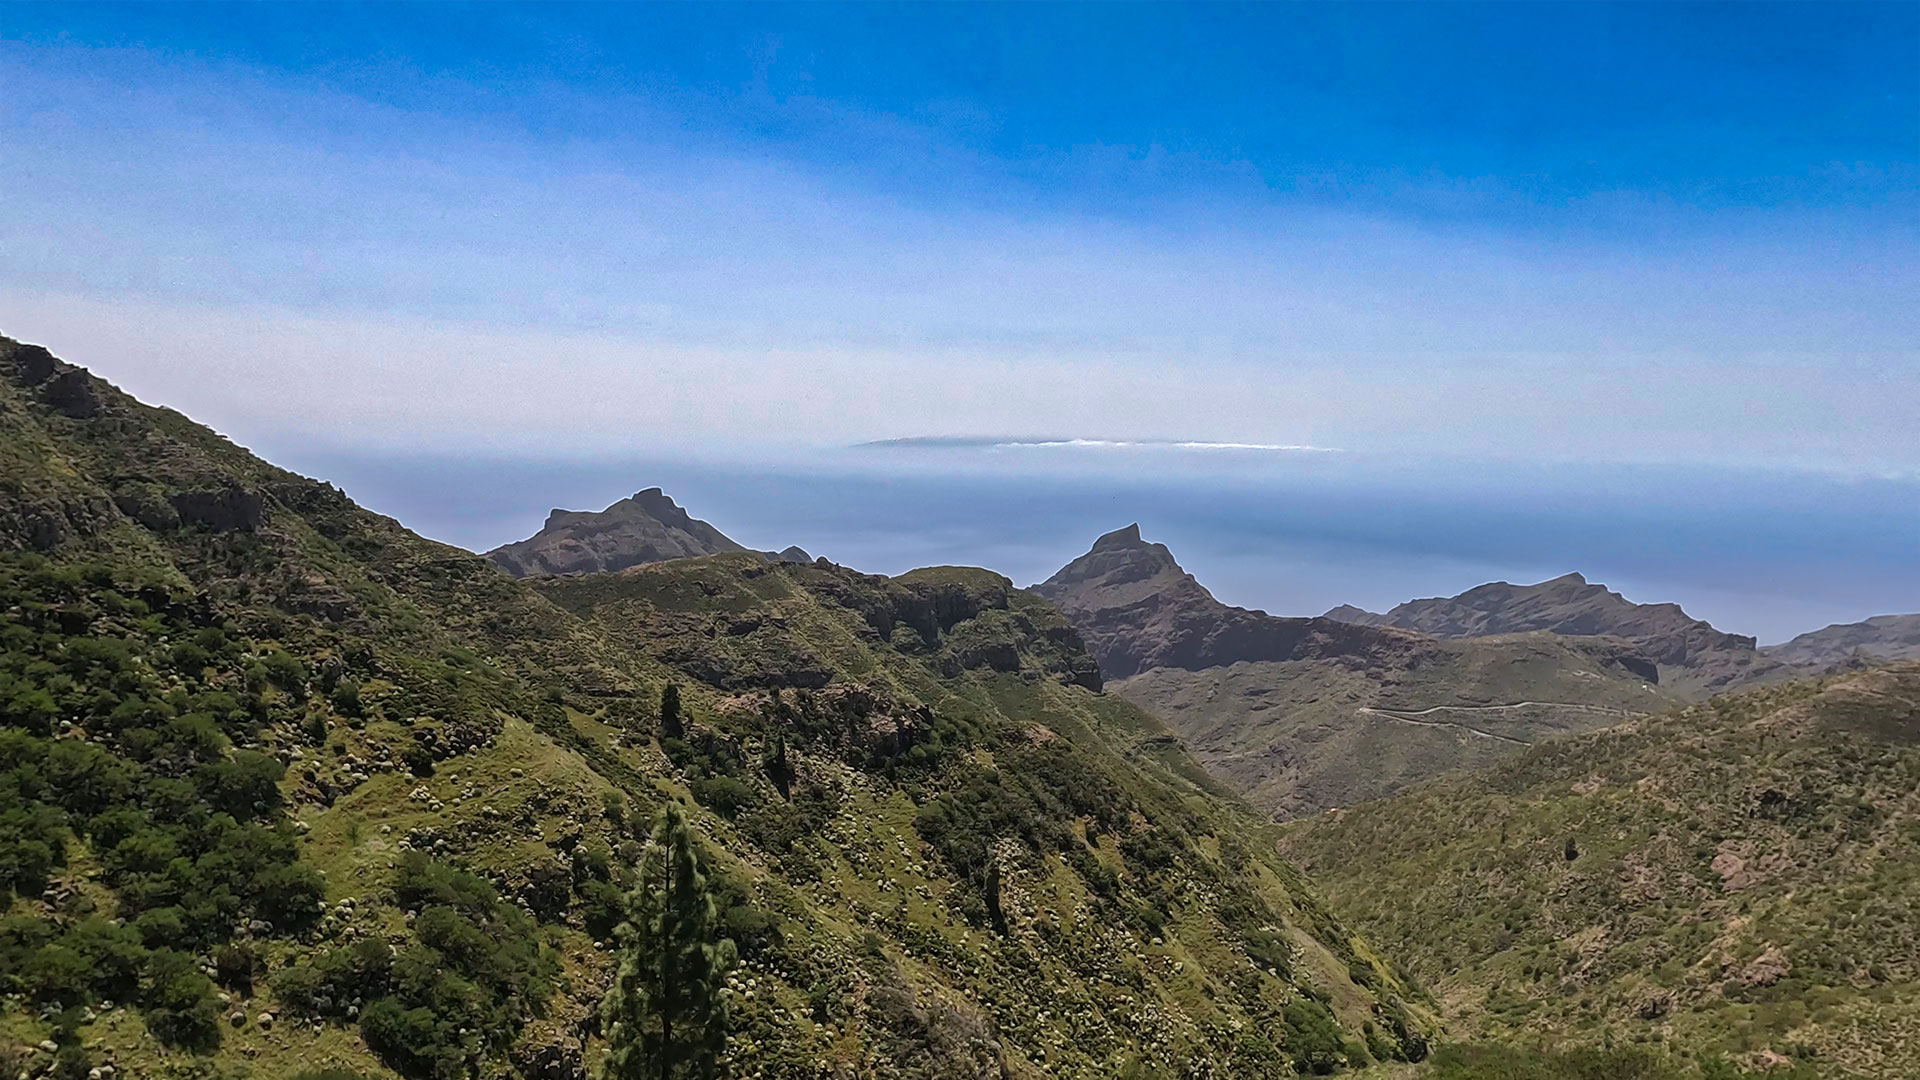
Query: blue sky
[[1674, 233], [1625, 289]]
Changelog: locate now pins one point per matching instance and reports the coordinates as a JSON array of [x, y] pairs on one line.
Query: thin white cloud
[[388, 279], [991, 443]]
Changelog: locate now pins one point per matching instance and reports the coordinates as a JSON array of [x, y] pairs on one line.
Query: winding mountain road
[[1407, 716]]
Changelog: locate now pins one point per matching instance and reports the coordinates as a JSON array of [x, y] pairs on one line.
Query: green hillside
[[288, 787], [1741, 877]]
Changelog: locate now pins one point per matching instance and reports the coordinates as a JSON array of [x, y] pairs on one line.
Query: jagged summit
[[1119, 538], [646, 527]]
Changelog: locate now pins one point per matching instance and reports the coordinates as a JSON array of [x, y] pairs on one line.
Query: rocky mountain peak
[[645, 527], [1359, 616], [1119, 569]]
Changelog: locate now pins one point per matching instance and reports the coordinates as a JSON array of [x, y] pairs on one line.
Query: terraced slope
[[1303, 714], [1741, 875], [388, 795]]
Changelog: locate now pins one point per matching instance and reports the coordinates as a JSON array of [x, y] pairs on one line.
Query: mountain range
[[1302, 714], [287, 790], [285, 787], [1694, 657]]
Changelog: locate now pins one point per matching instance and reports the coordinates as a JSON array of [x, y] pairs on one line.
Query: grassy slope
[[1150, 927], [1744, 876], [1296, 737]]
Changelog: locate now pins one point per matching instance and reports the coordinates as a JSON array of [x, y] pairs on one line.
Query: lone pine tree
[[670, 725], [666, 1017], [779, 769]]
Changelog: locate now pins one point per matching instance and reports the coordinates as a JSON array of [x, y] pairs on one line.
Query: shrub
[[413, 1041], [180, 1007], [724, 795], [32, 846], [477, 971], [1313, 1039], [604, 907], [233, 966], [245, 785], [345, 698]]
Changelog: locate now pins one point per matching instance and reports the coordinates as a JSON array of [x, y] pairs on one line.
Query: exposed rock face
[[62, 385], [1691, 652], [230, 509], [34, 364], [1138, 610], [646, 528], [1883, 637], [71, 391]]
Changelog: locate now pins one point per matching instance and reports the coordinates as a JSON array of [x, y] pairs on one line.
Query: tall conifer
[[666, 1017], [671, 726]]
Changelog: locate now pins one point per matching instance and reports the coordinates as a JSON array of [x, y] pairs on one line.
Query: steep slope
[[1743, 873], [1693, 656], [643, 528], [1303, 714], [1883, 637], [389, 795]]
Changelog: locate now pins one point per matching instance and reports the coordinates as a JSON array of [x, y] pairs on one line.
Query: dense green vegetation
[[122, 701], [130, 707], [473, 974], [290, 789], [286, 790]]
